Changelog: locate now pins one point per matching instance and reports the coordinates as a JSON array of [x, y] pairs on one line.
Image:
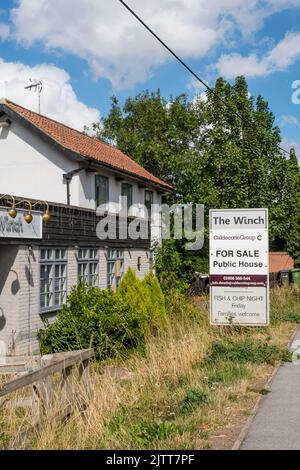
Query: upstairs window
[[102, 190], [127, 190], [149, 202]]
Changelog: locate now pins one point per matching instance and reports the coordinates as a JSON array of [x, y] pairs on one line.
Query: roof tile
[[84, 145]]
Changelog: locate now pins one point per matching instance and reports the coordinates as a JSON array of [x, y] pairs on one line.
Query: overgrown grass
[[191, 382], [254, 351]]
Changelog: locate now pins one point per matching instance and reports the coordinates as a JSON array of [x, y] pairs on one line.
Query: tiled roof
[[84, 145]]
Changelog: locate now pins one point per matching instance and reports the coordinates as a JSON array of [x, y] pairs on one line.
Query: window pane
[[53, 277], [148, 201], [127, 191], [102, 189]]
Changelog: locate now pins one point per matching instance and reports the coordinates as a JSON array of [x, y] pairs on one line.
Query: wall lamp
[[28, 217]]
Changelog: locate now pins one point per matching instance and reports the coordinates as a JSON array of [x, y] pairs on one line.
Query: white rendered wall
[[31, 168]]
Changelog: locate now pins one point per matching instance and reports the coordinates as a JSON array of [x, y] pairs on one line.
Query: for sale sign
[[239, 267]]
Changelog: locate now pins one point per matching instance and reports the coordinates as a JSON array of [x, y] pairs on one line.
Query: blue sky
[[86, 50]]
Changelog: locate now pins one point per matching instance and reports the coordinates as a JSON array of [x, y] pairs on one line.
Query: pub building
[[52, 179]]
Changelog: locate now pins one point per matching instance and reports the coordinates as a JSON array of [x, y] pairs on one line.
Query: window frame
[[97, 191], [88, 261], [149, 213], [53, 261], [112, 261], [129, 199]]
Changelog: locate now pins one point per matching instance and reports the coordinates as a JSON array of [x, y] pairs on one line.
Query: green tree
[[210, 155]]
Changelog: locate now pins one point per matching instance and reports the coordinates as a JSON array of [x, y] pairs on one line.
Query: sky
[[85, 51]]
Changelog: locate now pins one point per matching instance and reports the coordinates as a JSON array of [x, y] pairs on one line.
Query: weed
[[227, 373], [292, 317], [248, 350], [233, 398], [147, 433], [195, 397]]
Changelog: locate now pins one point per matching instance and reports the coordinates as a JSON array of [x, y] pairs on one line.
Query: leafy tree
[[210, 155]]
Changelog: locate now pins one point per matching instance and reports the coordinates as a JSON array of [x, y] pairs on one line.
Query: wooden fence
[[45, 391]]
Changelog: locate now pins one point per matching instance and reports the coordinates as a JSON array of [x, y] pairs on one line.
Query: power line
[[184, 64]]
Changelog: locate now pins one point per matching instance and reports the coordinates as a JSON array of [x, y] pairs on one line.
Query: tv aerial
[[37, 87]]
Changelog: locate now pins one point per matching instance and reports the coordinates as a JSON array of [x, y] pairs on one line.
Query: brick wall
[[20, 292]]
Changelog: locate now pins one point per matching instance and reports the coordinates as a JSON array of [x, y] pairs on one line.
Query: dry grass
[[174, 398]]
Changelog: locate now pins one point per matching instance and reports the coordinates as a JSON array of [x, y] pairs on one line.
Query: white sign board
[[239, 267], [18, 227]]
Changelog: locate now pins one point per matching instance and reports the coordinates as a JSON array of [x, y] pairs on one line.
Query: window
[[88, 264], [149, 202], [127, 191], [102, 189], [53, 278], [115, 267]]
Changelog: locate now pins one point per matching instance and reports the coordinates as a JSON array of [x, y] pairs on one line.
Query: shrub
[[132, 305], [78, 323], [156, 308], [108, 321]]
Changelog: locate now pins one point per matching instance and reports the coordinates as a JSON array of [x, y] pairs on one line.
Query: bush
[[157, 307], [108, 321], [175, 267]]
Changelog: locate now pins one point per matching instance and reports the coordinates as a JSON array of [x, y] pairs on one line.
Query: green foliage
[[292, 317], [157, 314], [228, 164], [148, 433], [4, 438], [175, 267], [247, 350], [285, 306], [194, 398], [227, 373], [110, 322]]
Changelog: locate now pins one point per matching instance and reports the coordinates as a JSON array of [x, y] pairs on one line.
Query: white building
[[43, 161]]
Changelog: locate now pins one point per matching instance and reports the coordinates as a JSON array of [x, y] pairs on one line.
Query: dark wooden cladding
[[70, 226]]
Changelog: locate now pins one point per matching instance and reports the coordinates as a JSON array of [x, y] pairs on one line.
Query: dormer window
[[102, 190]]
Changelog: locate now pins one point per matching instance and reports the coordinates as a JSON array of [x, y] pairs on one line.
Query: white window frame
[[56, 260], [114, 254], [88, 266]]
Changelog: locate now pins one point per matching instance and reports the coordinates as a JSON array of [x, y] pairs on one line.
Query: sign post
[[239, 267]]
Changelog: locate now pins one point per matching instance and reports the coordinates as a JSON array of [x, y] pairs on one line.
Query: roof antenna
[[37, 86]]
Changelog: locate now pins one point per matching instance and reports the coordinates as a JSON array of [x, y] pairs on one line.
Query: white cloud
[[58, 99], [4, 31], [117, 47], [280, 58], [289, 120], [234, 64]]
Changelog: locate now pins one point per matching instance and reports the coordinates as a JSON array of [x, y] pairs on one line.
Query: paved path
[[276, 425]]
